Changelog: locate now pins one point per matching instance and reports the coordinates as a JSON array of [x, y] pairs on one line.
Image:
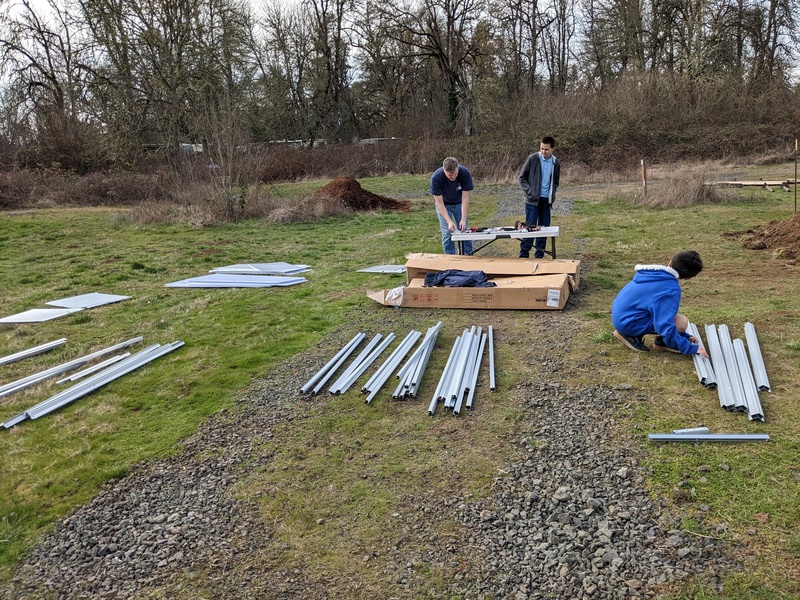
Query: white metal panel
[[87, 300]]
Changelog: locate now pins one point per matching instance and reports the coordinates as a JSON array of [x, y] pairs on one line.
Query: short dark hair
[[549, 140], [687, 263]]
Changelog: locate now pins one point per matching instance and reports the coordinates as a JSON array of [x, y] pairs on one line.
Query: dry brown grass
[[682, 187]]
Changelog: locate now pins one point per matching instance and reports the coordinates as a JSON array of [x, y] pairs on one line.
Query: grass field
[[233, 336]]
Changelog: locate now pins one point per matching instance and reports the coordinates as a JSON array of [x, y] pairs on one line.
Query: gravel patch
[[570, 517]]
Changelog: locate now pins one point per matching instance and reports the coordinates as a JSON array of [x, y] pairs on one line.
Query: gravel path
[[570, 518]]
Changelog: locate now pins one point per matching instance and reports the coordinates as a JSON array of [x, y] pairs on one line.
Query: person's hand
[[451, 226], [702, 352], [694, 340], [462, 226]]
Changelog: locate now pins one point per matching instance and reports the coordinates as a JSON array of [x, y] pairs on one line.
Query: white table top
[[458, 236]]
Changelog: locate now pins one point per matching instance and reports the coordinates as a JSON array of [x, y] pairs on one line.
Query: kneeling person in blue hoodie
[[648, 305]]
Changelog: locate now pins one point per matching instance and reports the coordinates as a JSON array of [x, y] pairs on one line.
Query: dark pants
[[535, 214]]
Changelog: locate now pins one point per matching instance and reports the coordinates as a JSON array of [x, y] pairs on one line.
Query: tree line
[[95, 83]]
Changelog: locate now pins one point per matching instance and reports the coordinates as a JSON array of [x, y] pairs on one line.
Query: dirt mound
[[782, 237], [350, 193]]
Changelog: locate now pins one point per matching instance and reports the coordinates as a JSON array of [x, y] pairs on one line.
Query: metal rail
[[708, 437], [754, 410], [760, 372], [26, 382], [492, 384], [343, 352], [32, 351]]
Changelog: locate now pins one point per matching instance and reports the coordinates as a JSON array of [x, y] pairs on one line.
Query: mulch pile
[[782, 237], [350, 193]]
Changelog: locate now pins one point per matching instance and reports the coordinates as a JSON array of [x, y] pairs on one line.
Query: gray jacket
[[530, 179]]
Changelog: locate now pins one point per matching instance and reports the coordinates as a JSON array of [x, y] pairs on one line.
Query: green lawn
[[233, 336]]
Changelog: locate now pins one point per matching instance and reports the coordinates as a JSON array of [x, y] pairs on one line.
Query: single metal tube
[[754, 410], [492, 384], [32, 351], [690, 430], [708, 437], [760, 371], [724, 390], [705, 372], [93, 369], [347, 347]]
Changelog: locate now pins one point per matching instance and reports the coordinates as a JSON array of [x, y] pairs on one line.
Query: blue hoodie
[[649, 304]]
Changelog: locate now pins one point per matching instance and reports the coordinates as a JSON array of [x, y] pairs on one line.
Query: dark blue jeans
[[535, 215]]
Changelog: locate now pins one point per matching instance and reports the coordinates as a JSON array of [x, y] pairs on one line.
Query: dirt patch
[[350, 193], [782, 237]]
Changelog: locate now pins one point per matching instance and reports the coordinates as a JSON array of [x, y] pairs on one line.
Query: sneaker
[[659, 343], [524, 255], [632, 342]]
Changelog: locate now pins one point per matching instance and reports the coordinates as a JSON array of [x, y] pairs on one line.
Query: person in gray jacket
[[539, 181]]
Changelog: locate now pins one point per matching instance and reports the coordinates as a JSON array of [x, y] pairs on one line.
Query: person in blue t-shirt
[[539, 179], [649, 305], [450, 185]]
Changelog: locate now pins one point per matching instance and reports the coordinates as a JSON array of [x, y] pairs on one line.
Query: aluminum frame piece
[[724, 390], [754, 410], [39, 315], [94, 382], [390, 269], [353, 344], [102, 378], [363, 366], [492, 383], [273, 268], [22, 354], [94, 368], [690, 430], [88, 300], [356, 361], [708, 437], [759, 370], [385, 371], [475, 371], [224, 280], [702, 365], [733, 371], [343, 352], [437, 395], [26, 382]]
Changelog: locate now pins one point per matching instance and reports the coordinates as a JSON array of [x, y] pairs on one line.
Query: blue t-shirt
[[547, 176], [450, 191]]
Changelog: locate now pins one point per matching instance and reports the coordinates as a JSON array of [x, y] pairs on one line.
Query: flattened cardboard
[[419, 264], [527, 292]]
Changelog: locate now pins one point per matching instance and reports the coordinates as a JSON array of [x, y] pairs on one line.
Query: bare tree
[[44, 54]]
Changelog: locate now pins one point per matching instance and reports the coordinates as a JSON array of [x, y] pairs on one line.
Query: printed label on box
[[553, 297], [478, 298]]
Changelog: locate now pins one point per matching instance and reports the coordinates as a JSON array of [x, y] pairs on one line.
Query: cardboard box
[[418, 265], [528, 292]]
